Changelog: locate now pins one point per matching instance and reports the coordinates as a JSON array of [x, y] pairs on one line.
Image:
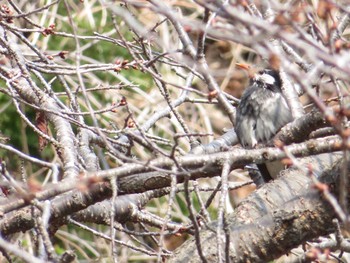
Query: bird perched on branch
[[262, 111]]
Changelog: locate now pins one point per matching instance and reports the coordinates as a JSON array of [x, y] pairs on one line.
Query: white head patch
[[265, 78]]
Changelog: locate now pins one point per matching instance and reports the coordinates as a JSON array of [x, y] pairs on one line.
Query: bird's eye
[[260, 72]]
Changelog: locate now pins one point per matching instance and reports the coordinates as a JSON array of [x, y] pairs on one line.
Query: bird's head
[[265, 78]]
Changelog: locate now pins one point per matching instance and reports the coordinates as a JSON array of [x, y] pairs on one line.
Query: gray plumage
[[262, 110]]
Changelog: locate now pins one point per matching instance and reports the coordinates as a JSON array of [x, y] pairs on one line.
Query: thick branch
[[279, 216], [132, 182]]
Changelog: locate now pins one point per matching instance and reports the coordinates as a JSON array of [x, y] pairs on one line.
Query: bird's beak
[[243, 66], [251, 72]]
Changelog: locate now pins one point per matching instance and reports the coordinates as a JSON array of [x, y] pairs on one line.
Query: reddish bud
[[287, 161], [188, 28], [279, 144], [131, 124], [123, 101], [338, 44], [63, 54], [212, 94]]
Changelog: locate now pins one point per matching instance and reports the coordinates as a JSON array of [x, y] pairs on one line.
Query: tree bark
[[276, 218]]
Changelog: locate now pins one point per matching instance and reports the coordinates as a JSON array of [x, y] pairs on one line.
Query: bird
[[262, 112]]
